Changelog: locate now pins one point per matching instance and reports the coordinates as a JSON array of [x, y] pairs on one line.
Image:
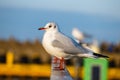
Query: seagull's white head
[[49, 27]]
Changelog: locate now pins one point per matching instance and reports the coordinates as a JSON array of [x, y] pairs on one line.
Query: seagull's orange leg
[[60, 62], [55, 60]]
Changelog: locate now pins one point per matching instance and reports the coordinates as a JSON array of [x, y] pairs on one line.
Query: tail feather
[[100, 55]]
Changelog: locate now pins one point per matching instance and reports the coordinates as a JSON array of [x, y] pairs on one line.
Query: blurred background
[[22, 56]]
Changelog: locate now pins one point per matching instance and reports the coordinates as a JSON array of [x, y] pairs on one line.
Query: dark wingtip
[[100, 55]]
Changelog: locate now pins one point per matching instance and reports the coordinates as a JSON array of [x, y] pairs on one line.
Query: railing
[[39, 70], [57, 73]]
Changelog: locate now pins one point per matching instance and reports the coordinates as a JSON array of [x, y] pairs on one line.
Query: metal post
[[77, 66], [58, 74]]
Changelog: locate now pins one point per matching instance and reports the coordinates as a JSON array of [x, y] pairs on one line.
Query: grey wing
[[68, 45]]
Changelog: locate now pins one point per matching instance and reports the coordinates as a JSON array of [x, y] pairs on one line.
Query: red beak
[[41, 28]]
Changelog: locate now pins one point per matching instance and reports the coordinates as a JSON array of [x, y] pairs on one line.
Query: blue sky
[[21, 19]]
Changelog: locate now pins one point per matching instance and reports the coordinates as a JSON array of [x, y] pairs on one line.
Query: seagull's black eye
[[55, 26], [50, 26]]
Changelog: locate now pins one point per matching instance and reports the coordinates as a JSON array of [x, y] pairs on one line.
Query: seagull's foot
[[55, 60], [59, 68], [61, 64]]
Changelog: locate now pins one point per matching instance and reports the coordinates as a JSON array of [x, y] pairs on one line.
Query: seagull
[[63, 47], [79, 36]]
